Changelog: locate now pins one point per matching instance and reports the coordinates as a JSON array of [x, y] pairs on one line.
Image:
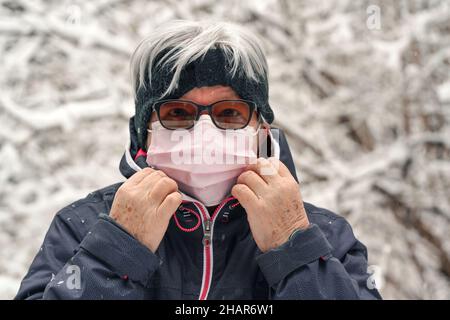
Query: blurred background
[[361, 88]]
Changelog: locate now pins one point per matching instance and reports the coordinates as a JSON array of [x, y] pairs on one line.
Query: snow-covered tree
[[361, 88]]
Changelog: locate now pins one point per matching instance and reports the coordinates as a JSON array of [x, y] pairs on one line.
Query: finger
[[244, 194], [162, 189], [149, 180], [280, 167], [252, 180], [140, 175], [264, 169], [170, 204]]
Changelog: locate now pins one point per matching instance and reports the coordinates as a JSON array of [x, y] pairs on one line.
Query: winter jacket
[[325, 261]]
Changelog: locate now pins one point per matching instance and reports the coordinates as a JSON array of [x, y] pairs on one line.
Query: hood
[[134, 159]]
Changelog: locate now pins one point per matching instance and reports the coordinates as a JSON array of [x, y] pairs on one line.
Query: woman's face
[[206, 96]]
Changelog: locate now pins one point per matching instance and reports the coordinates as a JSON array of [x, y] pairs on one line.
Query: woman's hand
[[144, 204], [271, 197]]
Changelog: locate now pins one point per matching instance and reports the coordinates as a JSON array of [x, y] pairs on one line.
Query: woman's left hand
[[272, 199]]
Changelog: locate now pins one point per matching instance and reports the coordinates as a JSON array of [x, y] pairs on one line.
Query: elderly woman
[[211, 207]]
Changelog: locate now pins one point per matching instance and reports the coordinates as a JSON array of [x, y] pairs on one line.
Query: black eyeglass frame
[[252, 105]]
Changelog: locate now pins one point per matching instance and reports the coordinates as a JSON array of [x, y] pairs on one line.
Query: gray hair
[[186, 41]]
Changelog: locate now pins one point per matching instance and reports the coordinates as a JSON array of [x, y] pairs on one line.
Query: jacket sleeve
[[107, 263], [309, 267]]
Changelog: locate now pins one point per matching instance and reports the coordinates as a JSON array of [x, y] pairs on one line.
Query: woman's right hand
[[144, 204]]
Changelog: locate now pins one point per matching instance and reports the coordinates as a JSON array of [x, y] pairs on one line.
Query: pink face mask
[[205, 161]]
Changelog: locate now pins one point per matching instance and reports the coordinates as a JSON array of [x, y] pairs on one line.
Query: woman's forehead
[[208, 95]]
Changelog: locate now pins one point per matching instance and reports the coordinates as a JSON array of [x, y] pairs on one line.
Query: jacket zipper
[[208, 228], [207, 232]]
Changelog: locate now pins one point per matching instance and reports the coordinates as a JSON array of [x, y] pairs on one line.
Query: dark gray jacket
[[86, 255]]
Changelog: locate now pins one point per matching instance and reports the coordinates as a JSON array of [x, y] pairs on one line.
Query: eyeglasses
[[225, 114]]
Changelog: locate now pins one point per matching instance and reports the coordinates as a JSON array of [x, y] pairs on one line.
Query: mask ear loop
[[274, 135], [141, 157], [263, 136]]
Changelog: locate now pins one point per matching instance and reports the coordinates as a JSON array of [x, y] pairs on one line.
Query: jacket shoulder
[[321, 216], [336, 228], [82, 214]]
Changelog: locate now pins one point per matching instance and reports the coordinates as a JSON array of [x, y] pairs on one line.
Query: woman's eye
[[178, 112], [229, 113]]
